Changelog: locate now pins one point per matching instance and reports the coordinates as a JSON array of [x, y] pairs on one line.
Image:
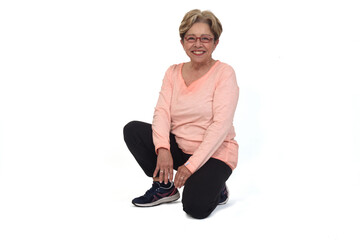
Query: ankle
[[163, 185]]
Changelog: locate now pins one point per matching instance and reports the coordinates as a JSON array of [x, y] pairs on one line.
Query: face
[[199, 52]]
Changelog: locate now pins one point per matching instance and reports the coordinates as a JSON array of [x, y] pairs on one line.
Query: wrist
[[162, 150]]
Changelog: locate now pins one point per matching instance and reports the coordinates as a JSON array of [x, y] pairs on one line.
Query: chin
[[200, 59]]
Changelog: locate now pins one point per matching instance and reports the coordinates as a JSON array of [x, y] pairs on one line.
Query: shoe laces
[[151, 192]]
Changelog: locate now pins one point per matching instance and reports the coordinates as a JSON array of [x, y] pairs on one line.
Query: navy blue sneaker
[[224, 196], [157, 194]]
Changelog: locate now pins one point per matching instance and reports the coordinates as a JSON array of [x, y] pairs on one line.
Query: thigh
[[179, 157]]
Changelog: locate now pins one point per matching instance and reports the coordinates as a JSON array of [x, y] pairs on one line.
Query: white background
[[73, 73]]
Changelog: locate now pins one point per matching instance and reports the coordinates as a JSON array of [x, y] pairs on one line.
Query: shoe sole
[[160, 201]]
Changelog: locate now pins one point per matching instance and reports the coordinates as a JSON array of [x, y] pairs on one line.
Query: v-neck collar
[[197, 81]]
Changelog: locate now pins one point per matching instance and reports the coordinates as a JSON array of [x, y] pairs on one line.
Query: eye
[[191, 39], [205, 39]]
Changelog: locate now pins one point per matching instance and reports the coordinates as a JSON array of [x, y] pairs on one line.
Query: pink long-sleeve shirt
[[199, 115]]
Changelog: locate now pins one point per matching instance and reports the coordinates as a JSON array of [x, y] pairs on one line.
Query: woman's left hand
[[183, 173]]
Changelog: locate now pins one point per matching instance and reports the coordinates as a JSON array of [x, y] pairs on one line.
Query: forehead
[[199, 29]]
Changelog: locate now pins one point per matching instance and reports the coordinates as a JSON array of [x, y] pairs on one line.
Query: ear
[[216, 43], [182, 42]]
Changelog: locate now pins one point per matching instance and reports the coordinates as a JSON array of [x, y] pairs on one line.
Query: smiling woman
[[200, 52], [192, 129]]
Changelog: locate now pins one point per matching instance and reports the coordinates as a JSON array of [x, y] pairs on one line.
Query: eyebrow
[[200, 35]]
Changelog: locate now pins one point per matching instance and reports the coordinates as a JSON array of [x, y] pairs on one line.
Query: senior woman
[[192, 129]]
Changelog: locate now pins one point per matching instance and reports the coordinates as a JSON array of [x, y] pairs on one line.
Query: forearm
[[161, 132], [214, 137]]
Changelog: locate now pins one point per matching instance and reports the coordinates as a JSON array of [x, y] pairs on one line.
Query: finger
[[161, 176], [171, 174], [156, 172], [166, 176], [176, 180], [179, 178], [177, 184], [184, 179], [181, 181]]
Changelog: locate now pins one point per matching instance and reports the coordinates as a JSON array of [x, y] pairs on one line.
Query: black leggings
[[201, 192]]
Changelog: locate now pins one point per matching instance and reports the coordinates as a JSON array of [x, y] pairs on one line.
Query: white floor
[[91, 199]]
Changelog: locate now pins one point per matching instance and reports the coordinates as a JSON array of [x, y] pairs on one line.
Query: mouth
[[198, 52]]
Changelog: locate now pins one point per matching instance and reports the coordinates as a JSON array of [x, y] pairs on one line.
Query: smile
[[198, 53]]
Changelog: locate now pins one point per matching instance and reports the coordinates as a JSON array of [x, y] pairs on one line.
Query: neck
[[202, 65]]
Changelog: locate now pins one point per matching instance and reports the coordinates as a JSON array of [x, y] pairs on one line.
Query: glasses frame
[[196, 38]]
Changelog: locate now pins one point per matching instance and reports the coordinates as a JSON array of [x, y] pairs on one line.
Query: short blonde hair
[[195, 16]]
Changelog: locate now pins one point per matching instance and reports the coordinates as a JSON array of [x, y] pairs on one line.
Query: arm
[[224, 104], [161, 131], [162, 119]]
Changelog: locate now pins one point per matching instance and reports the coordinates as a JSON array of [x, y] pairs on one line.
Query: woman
[[192, 130]]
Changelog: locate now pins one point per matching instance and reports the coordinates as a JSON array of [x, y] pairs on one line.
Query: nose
[[198, 43]]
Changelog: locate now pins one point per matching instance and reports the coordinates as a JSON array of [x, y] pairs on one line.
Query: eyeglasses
[[203, 38]]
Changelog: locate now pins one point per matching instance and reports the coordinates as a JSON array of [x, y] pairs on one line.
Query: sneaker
[[157, 194], [224, 196]]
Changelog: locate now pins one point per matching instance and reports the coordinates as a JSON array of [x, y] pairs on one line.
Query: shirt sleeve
[[162, 120], [224, 105]]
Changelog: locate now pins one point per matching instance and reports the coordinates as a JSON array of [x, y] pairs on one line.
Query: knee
[[130, 128], [196, 209]]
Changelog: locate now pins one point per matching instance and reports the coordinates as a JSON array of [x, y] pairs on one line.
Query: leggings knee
[[129, 127], [131, 130], [197, 210]]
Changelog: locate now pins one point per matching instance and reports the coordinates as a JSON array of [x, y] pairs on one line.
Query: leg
[[139, 140], [179, 157], [202, 190]]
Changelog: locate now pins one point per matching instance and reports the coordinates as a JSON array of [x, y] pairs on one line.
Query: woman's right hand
[[164, 166]]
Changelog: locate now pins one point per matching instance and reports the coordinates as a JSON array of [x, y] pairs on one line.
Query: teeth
[[198, 52]]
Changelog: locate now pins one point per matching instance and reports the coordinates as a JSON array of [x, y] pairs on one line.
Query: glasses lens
[[190, 39], [205, 39]]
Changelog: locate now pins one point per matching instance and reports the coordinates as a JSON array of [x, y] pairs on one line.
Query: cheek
[[209, 50]]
